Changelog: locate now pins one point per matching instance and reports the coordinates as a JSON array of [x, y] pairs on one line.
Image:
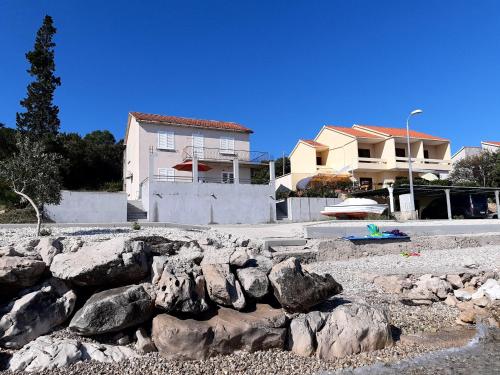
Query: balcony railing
[[372, 160], [218, 154], [213, 180], [429, 162]]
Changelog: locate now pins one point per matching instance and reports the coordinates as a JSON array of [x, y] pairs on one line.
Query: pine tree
[[41, 119]]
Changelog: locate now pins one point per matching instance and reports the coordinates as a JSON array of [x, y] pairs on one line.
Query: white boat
[[354, 208]]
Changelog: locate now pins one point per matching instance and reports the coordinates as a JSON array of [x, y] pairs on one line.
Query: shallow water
[[481, 356]]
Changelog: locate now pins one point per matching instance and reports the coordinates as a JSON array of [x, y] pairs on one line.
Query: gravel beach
[[355, 276]]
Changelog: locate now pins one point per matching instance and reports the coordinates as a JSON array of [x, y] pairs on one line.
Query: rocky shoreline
[[270, 317]]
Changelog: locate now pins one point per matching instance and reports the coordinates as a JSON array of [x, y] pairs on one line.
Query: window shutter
[[166, 140], [227, 144]]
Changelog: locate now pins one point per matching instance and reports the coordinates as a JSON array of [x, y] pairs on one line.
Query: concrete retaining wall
[[89, 207], [308, 209], [207, 203]]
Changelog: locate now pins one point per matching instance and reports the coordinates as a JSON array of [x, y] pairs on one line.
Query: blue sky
[[282, 68]]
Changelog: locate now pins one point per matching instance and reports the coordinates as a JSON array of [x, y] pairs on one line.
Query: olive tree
[[33, 174]]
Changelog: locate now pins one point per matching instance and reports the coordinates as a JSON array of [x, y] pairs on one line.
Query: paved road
[[413, 228]]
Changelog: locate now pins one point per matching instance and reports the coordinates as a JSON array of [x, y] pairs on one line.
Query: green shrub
[[18, 216], [112, 186], [136, 226]]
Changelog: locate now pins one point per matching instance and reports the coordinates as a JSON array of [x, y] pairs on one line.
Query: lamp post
[[410, 172]]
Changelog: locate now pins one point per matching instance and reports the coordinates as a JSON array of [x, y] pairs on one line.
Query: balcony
[[225, 155], [424, 164], [371, 163]]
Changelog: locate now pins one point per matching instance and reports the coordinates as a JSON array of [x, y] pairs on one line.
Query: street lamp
[[410, 172]]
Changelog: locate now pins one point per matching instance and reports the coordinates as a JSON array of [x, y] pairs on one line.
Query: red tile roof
[[400, 132], [352, 131], [492, 143], [209, 124], [312, 143]]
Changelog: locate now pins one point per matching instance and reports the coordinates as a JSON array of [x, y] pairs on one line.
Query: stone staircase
[[284, 248], [135, 211]]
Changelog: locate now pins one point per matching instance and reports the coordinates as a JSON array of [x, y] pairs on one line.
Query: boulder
[[19, 272], [352, 329], [491, 289], [179, 285], [113, 310], [297, 290], [462, 295], [144, 343], [48, 248], [47, 353], [419, 296], [455, 281], [224, 333], [436, 285], [302, 333], [222, 286], [239, 258], [25, 248], [260, 262], [451, 300], [159, 245], [392, 283], [253, 281], [106, 353], [35, 313], [113, 262]]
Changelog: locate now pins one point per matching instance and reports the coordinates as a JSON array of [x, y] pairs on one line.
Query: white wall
[[89, 207], [309, 209], [209, 203]]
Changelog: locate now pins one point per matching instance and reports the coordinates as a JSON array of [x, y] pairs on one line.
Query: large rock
[[113, 262], [19, 272], [297, 290], [491, 289], [222, 286], [225, 333], [436, 285], [427, 289], [179, 285], [113, 310], [302, 333], [159, 245], [35, 313], [48, 248], [253, 281], [393, 283], [352, 329], [47, 353]]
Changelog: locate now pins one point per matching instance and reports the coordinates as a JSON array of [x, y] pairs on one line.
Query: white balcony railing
[[372, 160], [423, 162]]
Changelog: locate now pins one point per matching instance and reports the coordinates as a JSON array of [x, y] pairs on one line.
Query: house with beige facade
[[176, 166], [372, 156]]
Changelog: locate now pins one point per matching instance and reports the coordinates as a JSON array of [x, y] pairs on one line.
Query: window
[[166, 140], [366, 183], [364, 153], [318, 160], [166, 174], [198, 146], [227, 177], [426, 154], [227, 145], [400, 152]]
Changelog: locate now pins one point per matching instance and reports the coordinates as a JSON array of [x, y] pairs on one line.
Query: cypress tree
[[40, 120]]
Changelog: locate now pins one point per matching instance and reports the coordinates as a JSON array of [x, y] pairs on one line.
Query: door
[[198, 146]]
